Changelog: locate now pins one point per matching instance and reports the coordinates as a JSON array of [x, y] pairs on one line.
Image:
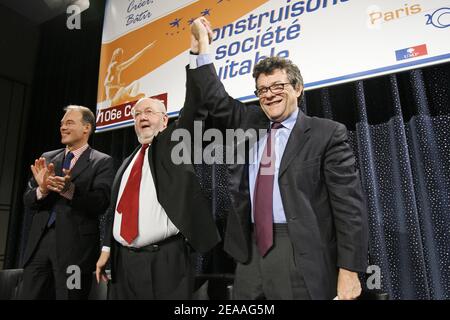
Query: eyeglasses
[[148, 112], [275, 89]]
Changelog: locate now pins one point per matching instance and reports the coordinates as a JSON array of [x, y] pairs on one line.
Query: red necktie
[[129, 202], [263, 195]]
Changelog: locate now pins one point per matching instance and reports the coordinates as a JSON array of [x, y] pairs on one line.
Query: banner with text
[[145, 44]]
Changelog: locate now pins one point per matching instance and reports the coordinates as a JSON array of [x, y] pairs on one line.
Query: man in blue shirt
[[297, 226]]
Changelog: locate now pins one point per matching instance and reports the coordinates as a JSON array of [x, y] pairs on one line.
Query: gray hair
[[158, 103]]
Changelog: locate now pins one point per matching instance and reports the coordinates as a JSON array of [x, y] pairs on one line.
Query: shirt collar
[[77, 153], [289, 122]]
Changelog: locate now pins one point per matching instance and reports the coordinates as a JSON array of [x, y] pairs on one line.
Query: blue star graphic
[[175, 23], [205, 12]]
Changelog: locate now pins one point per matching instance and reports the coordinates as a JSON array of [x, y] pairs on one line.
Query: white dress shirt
[[281, 139], [154, 225]]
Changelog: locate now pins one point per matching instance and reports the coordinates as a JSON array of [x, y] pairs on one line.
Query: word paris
[[213, 146]]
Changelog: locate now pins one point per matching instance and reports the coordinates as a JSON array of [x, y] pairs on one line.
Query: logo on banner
[[440, 18], [412, 52]]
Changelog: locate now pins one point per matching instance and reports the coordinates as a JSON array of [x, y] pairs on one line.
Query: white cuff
[[39, 194], [193, 61]]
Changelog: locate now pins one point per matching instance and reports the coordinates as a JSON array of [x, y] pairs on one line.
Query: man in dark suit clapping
[[70, 188]]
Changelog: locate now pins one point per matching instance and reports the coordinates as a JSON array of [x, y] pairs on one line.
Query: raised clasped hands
[[201, 35]]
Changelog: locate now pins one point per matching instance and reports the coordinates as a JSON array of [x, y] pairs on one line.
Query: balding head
[[155, 104]]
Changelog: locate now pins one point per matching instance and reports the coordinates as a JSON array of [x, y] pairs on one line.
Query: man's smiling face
[[278, 106], [150, 119]]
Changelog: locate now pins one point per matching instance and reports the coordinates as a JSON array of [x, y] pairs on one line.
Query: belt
[[155, 246], [278, 228]]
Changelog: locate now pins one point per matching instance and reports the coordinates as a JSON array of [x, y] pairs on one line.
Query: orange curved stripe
[[170, 41]]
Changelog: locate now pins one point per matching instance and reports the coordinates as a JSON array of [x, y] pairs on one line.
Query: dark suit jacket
[[319, 185], [77, 225], [177, 187]]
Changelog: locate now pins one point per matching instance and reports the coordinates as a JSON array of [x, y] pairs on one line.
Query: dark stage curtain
[[398, 127]]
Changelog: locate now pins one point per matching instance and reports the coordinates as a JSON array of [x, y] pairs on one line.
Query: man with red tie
[[157, 214], [70, 188]]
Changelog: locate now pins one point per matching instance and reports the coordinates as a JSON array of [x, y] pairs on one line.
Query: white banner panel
[[145, 44]]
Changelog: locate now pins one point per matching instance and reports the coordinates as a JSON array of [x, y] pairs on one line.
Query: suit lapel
[[263, 123], [119, 174], [299, 136], [81, 163], [58, 162], [151, 158]]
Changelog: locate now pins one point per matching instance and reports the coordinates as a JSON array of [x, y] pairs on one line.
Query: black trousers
[[44, 279], [156, 272], [275, 276]]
